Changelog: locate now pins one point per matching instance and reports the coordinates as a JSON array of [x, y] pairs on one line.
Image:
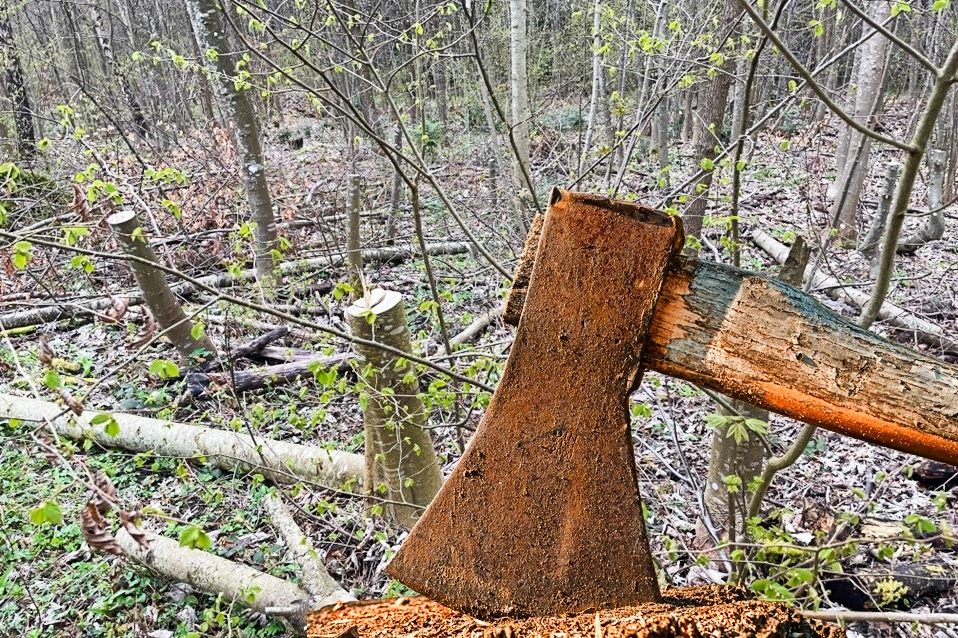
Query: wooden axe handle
[[764, 342]]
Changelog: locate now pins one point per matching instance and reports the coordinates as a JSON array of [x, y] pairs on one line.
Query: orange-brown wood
[[761, 341]]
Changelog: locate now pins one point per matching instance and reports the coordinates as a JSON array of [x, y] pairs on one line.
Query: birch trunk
[[101, 27], [521, 111], [279, 461], [871, 74]]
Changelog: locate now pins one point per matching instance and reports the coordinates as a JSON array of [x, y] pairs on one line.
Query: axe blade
[[542, 515]]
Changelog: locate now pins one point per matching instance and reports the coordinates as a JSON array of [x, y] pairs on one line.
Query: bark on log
[[199, 383], [401, 464], [47, 314], [280, 461], [926, 332], [764, 342], [214, 574], [156, 291], [323, 588]]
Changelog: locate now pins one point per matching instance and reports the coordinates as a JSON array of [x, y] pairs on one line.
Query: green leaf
[[940, 5], [52, 379], [706, 164], [46, 512], [164, 368], [194, 537], [198, 330], [785, 145]]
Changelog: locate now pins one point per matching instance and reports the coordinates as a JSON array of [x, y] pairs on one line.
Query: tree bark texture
[[15, 85], [401, 464], [238, 107], [156, 291], [934, 227], [713, 102], [280, 461], [101, 26], [521, 111], [871, 74]]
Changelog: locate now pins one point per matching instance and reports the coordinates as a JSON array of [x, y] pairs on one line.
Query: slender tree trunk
[[867, 99], [934, 226], [101, 27], [157, 295], [15, 85], [521, 111], [869, 245], [401, 465], [238, 109], [354, 245], [596, 95], [713, 101]]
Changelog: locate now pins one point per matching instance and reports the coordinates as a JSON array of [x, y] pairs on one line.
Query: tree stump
[[401, 465], [692, 612], [156, 291]]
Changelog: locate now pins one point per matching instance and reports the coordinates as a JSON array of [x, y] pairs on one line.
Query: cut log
[[157, 296], [214, 574], [925, 331], [45, 314], [204, 383], [401, 464], [764, 342], [279, 461], [323, 588]]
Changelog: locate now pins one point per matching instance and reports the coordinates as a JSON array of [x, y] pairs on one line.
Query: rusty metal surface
[[543, 515]]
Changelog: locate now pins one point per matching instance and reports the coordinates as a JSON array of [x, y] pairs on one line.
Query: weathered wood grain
[[764, 342]]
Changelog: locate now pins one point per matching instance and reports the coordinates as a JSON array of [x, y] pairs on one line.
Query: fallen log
[[46, 314], [214, 574], [279, 461], [925, 331], [323, 588], [202, 384]]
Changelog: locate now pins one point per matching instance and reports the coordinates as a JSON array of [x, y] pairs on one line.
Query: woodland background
[[281, 159]]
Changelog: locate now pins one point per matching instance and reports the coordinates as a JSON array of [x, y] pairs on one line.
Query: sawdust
[[691, 612]]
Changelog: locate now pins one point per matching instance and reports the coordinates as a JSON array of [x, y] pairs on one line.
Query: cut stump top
[[691, 612]]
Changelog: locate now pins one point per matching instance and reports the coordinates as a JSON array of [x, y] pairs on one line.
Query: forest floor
[[855, 499]]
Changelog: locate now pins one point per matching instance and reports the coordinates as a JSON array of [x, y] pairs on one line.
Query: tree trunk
[[279, 461], [238, 109], [354, 245], [15, 85], [401, 465], [157, 295], [713, 101], [521, 111], [869, 81], [102, 30], [596, 95], [869, 245], [934, 227]]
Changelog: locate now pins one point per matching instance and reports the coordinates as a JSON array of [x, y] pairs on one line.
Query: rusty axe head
[[542, 515]]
